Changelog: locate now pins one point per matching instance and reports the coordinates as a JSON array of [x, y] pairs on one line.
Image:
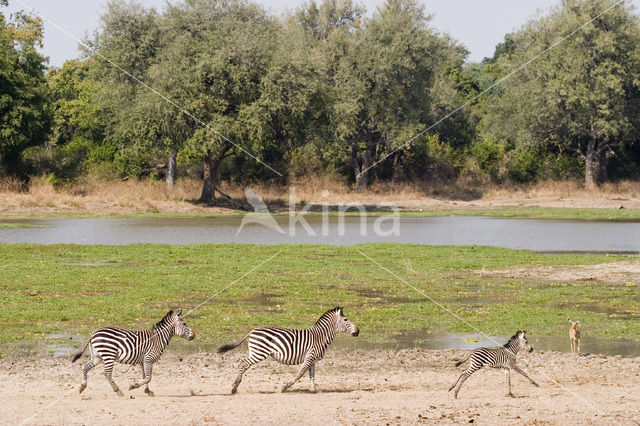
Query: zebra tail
[[227, 348], [459, 363], [79, 354]]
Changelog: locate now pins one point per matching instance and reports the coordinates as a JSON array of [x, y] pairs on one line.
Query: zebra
[[293, 347], [503, 357], [144, 347]]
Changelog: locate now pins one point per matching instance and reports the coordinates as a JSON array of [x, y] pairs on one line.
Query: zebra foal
[[132, 347], [293, 347], [503, 357]]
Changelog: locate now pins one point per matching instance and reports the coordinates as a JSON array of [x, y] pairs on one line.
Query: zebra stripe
[[503, 357], [143, 347], [292, 346]]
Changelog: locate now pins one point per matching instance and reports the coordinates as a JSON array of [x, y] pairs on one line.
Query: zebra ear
[[179, 312], [341, 310]]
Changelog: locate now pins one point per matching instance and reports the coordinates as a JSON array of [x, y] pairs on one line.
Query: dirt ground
[[153, 197], [614, 273], [359, 387]]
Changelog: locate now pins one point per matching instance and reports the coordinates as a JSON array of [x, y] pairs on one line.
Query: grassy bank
[[73, 289]]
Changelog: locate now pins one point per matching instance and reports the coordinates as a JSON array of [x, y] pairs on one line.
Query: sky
[[477, 24]]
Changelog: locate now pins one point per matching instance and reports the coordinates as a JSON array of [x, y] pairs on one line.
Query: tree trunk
[[362, 171], [361, 179], [208, 187], [171, 168], [603, 176], [589, 165]]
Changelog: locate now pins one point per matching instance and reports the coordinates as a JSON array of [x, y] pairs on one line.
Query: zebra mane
[[329, 313], [164, 321], [511, 339]]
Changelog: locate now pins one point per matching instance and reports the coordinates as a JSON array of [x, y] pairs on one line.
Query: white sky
[[478, 24]]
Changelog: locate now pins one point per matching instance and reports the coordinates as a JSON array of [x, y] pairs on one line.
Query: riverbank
[[359, 387], [564, 200], [53, 296]]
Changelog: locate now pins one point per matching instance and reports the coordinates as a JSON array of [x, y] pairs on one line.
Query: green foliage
[[489, 156], [524, 165], [24, 113], [327, 88], [579, 97]]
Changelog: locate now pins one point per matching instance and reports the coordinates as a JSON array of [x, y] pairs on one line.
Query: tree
[[124, 49], [24, 114], [383, 81], [216, 58], [580, 96]]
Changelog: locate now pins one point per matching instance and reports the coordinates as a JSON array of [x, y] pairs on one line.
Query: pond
[[534, 234], [426, 339]]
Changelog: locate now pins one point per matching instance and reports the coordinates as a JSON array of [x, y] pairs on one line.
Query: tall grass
[[89, 195]]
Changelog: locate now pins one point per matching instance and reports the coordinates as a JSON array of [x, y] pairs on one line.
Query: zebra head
[[181, 327], [517, 342], [343, 324]]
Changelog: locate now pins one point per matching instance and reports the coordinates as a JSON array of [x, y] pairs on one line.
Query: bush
[[524, 165], [489, 156]]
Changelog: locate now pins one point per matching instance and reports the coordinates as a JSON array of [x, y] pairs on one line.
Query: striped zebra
[[132, 347], [503, 357], [293, 347]]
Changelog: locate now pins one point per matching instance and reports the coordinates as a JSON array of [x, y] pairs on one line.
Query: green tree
[[24, 113], [582, 95], [383, 81]]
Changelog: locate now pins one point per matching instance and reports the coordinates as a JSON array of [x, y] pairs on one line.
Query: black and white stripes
[[132, 347], [291, 346], [503, 357]]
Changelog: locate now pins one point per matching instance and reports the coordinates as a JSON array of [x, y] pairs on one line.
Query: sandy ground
[[614, 273], [359, 387]]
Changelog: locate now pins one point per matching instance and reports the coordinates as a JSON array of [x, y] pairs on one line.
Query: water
[[426, 339], [65, 345], [534, 234]]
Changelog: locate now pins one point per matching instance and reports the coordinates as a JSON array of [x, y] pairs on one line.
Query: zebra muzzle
[[356, 333]]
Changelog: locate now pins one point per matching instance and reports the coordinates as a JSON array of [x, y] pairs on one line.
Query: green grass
[[75, 289], [508, 212], [6, 225]]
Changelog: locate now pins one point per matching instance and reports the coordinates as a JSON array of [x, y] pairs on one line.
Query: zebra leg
[[147, 367], [306, 365], [312, 377], [507, 371], [92, 363], [464, 376], [146, 388], [245, 364], [108, 371], [519, 370]]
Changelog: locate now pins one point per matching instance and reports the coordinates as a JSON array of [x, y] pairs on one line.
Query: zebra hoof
[[284, 389], [82, 387], [511, 395], [536, 385], [119, 392], [133, 386], [233, 391], [148, 392]]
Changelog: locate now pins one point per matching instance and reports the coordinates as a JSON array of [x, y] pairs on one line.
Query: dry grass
[[134, 196]]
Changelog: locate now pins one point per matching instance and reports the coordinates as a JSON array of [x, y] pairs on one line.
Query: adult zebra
[[503, 357], [132, 347], [292, 347]]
